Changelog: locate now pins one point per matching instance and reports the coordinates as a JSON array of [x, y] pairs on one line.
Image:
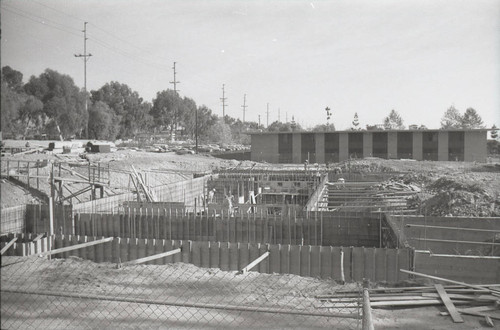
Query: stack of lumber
[[459, 298]]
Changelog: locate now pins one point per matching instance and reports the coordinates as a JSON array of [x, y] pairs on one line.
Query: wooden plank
[[254, 263], [451, 295], [6, 247], [411, 303], [153, 257], [448, 304], [75, 247], [477, 287], [496, 317]]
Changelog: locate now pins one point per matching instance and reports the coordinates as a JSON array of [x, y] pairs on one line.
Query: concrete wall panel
[[367, 144], [475, 146], [392, 145], [418, 146], [296, 148], [320, 148], [443, 146], [343, 146]]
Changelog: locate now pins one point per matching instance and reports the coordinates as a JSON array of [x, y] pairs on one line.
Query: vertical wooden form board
[[196, 253], [264, 266], [124, 249], [285, 259], [370, 265], [151, 249], [244, 255], [295, 262], [275, 259], [215, 248], [205, 254], [233, 256], [159, 247], [381, 268], [315, 261], [358, 263], [253, 253], [224, 256], [169, 245], [133, 248], [392, 265], [326, 270], [335, 260], [403, 257], [347, 264], [186, 251], [305, 260]]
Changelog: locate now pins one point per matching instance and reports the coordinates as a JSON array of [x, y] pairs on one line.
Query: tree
[[13, 78], [63, 101], [355, 122], [471, 119], [283, 127], [206, 119], [451, 119], [131, 111], [166, 109], [31, 114], [324, 128], [494, 132], [103, 124], [393, 121], [220, 132], [11, 102]]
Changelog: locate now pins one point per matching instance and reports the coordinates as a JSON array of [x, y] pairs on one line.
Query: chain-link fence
[[49, 293]]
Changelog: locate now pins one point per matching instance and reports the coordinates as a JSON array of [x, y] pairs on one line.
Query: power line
[[175, 82], [52, 24], [40, 22], [85, 57], [267, 113], [244, 106], [223, 99]]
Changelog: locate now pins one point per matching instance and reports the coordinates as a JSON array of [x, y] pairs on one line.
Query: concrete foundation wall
[[320, 148], [392, 145], [443, 146], [474, 271], [475, 146], [343, 146], [418, 151], [319, 228], [265, 148], [336, 263], [367, 144]]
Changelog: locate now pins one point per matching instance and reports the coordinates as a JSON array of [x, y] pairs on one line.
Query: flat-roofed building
[[321, 147]]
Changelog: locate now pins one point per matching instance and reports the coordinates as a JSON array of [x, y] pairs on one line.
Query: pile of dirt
[[365, 166], [455, 196]]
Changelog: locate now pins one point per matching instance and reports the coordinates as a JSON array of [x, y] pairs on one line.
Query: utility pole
[[267, 113], [175, 82], [259, 121], [244, 106], [286, 116], [85, 57], [223, 99], [279, 110]]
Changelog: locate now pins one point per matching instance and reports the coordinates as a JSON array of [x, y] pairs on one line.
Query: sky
[[292, 57]]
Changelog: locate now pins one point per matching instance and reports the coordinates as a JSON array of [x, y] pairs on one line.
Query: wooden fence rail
[[375, 264]]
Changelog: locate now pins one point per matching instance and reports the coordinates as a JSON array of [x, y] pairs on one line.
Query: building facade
[[322, 147]]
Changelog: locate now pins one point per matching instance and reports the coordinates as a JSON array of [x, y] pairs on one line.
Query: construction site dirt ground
[[179, 285], [457, 185]]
